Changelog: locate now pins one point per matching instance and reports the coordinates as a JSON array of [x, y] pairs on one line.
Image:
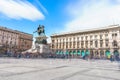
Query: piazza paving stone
[[58, 69]]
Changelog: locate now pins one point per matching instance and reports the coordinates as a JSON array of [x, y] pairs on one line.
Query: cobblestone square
[[58, 69]]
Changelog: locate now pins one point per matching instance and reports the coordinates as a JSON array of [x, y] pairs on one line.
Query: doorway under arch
[[67, 52], [57, 52], [87, 52], [78, 52], [116, 52], [101, 54], [61, 52], [70, 52], [74, 52]]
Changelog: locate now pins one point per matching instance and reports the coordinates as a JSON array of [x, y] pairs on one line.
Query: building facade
[[99, 43], [24, 41], [11, 40]]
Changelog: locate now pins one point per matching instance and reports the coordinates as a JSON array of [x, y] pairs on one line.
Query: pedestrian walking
[[111, 57]]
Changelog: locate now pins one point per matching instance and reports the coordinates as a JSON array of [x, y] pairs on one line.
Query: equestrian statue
[[40, 30], [41, 39]]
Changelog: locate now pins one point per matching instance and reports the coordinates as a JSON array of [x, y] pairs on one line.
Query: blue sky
[[58, 15]]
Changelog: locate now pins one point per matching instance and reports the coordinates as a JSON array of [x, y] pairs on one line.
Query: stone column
[[93, 44], [98, 43], [118, 35], [104, 46], [98, 53], [110, 39], [84, 45], [58, 45], [79, 44], [72, 43], [118, 41], [64, 45], [104, 53], [61, 44], [111, 51], [68, 43], [75, 43], [55, 44], [89, 44], [94, 53]]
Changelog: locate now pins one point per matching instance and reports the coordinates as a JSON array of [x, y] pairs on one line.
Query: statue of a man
[[40, 30]]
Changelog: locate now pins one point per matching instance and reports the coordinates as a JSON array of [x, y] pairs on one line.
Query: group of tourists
[[112, 57], [22, 55]]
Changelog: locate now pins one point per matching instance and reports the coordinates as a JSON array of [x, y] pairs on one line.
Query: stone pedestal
[[40, 44], [42, 48]]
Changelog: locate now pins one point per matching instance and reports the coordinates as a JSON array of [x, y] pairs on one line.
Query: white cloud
[[18, 9], [41, 6], [93, 14]]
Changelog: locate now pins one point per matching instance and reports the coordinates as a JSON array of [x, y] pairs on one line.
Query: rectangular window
[[96, 44], [78, 44], [52, 41], [74, 44], [86, 44], [100, 36], [106, 42], [70, 44], [81, 38], [66, 44], [77, 38], [63, 45], [90, 37], [101, 43], [82, 44], [95, 36], [60, 46], [86, 37]]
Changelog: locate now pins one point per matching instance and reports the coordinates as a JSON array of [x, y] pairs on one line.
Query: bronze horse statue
[[40, 30]]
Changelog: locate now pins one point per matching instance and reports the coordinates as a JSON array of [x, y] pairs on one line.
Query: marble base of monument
[[40, 44], [39, 48]]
